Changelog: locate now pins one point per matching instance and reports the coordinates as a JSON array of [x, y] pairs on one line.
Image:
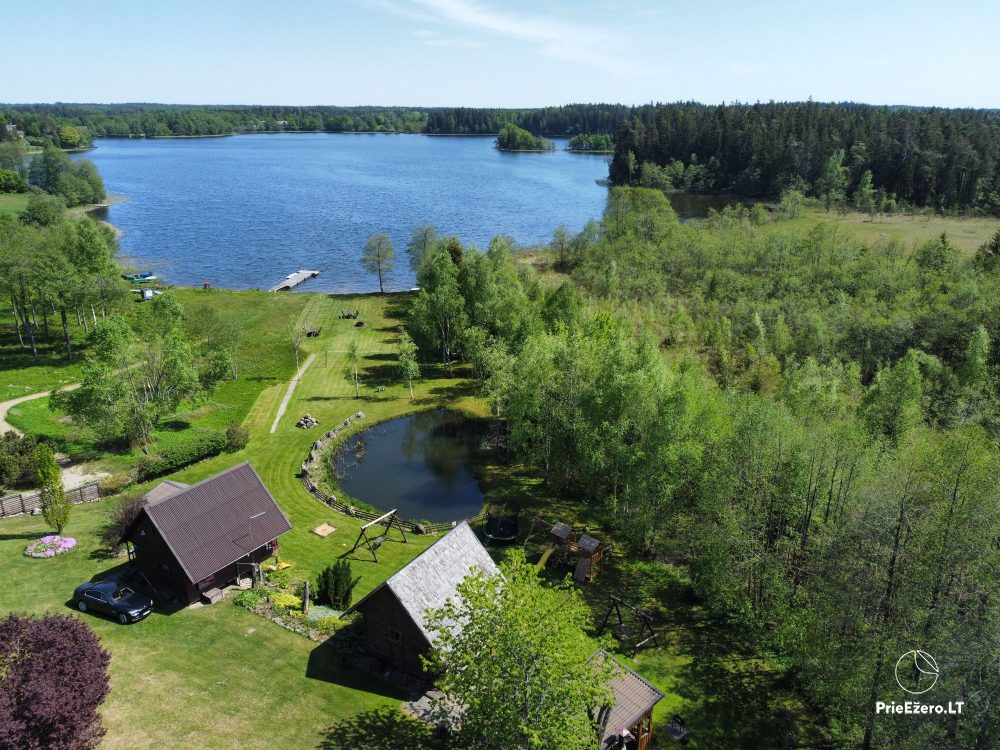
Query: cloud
[[435, 39], [550, 36]]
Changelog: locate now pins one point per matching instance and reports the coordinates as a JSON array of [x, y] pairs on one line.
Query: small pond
[[422, 465]]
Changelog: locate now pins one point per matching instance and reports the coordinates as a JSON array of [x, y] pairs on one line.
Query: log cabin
[[394, 614], [190, 541]]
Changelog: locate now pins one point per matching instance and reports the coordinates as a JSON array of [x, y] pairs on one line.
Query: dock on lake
[[293, 280]]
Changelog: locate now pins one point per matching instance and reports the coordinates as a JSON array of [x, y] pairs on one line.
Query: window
[[395, 636]]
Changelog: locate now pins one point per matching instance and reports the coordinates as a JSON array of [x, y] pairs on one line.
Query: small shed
[[189, 540], [628, 725], [395, 624]]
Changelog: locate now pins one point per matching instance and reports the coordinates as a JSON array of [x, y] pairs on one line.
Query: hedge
[[196, 448]]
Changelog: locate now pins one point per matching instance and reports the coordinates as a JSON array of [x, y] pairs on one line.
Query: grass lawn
[[968, 233], [13, 203]]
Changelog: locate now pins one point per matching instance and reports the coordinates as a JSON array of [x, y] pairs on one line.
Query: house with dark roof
[[628, 724], [192, 540], [394, 614]]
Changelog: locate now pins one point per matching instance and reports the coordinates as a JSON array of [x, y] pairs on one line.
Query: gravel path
[[291, 389]]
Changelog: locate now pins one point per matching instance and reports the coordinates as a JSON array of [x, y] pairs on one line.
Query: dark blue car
[[112, 598]]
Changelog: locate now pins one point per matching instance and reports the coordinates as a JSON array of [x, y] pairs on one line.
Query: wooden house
[[394, 614], [190, 541], [628, 724]]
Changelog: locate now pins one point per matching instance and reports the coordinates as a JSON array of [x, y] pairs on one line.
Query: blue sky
[[491, 53]]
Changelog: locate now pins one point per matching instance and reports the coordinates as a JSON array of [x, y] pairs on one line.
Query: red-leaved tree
[[53, 678]]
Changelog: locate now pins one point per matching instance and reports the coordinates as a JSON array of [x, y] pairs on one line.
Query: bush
[[176, 457], [237, 437], [330, 625], [251, 598], [120, 519], [114, 483], [281, 578], [17, 460], [335, 586], [282, 600], [54, 679], [43, 210]]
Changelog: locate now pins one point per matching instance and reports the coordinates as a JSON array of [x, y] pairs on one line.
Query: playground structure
[[644, 620], [388, 521], [565, 545]]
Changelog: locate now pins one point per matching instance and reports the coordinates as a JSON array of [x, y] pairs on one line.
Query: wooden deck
[[293, 280]]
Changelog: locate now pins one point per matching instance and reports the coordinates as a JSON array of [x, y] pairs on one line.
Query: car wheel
[[82, 606], [123, 618]]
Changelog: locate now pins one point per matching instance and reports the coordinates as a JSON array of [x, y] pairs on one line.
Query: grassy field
[[13, 203], [968, 233]]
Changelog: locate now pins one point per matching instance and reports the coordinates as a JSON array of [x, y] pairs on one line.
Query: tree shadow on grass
[[463, 389], [382, 728]]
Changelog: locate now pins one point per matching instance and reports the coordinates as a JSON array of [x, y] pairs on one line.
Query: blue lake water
[[244, 211]]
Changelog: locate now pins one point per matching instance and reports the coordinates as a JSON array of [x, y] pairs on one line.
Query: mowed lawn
[[219, 676]]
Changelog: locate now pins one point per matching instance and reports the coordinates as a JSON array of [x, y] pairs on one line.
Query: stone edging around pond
[[312, 465]]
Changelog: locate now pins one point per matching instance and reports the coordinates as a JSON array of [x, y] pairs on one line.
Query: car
[[112, 598]]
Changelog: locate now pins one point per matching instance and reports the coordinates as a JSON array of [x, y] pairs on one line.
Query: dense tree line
[[44, 123], [944, 158], [808, 423]]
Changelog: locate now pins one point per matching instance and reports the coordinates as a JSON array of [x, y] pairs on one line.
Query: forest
[[946, 159], [806, 423]]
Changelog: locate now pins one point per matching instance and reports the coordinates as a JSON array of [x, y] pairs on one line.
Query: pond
[[422, 465]]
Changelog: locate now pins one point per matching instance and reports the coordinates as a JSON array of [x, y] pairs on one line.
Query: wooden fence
[[26, 502]]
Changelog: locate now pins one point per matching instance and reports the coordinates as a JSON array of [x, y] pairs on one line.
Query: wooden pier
[[293, 280]]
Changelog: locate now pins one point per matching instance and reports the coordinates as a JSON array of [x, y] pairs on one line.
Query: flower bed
[[50, 546]]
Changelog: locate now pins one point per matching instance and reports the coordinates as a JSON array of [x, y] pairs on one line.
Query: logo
[[916, 672]]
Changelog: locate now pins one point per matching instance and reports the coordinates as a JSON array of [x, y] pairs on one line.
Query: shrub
[[17, 459], [176, 457], [281, 578], [335, 586], [282, 600], [120, 519], [237, 437], [251, 598], [330, 625], [50, 546], [114, 483], [54, 678]]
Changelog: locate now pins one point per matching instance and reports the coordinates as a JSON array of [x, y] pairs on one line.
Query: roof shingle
[[216, 522]]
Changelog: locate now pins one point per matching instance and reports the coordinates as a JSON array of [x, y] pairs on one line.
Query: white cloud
[[551, 36]]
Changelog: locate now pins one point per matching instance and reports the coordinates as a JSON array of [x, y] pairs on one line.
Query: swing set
[[387, 521], [644, 619]]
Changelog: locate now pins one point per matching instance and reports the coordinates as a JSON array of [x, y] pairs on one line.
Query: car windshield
[[123, 593]]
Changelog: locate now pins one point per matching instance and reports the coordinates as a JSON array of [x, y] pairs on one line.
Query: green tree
[[423, 239], [353, 362], [865, 198], [833, 180], [48, 476], [377, 257], [438, 313], [791, 203], [409, 368], [520, 667], [335, 586]]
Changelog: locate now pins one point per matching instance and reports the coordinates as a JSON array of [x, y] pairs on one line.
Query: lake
[[245, 211], [422, 465]]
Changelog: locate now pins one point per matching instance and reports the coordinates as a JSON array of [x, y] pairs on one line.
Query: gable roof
[[217, 521], [432, 577], [633, 698]]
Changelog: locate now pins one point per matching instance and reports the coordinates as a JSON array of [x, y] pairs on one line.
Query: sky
[[500, 54]]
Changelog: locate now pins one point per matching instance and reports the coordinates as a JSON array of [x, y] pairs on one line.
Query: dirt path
[[73, 475], [291, 389], [6, 406]]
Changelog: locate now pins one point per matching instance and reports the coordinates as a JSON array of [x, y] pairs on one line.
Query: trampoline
[[501, 525]]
